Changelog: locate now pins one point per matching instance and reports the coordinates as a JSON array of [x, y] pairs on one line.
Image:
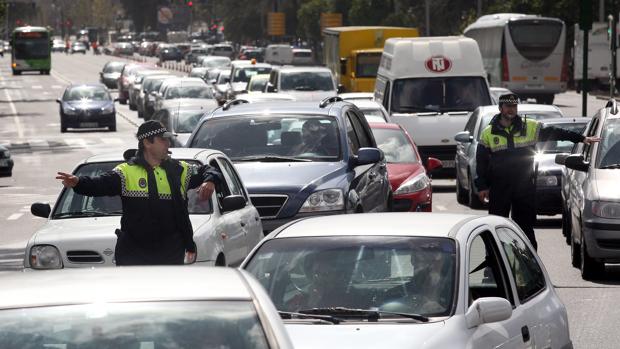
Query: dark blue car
[[300, 159], [87, 106]]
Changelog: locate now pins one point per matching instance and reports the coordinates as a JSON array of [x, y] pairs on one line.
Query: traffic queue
[[309, 169]]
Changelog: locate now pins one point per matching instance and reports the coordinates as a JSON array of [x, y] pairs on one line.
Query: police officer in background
[[155, 225], [505, 171]]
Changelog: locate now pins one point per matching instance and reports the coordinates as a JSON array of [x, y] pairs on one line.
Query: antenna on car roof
[[330, 100], [227, 105], [613, 105]]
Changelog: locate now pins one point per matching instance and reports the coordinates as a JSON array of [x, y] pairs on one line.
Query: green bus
[[31, 50]]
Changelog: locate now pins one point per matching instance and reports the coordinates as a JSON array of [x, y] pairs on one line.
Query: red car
[[411, 185]]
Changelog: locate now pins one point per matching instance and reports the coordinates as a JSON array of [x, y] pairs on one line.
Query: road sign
[[276, 23], [331, 20]]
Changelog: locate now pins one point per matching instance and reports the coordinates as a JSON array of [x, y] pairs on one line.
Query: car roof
[[126, 284], [291, 68], [373, 224], [177, 153], [279, 107], [522, 107], [365, 103]]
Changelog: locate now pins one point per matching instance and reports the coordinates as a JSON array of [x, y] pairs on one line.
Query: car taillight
[[505, 73], [564, 76]]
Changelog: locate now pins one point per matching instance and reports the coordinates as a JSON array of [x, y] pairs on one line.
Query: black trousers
[[519, 200], [129, 252]]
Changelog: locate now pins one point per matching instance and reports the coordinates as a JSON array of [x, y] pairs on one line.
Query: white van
[[279, 54], [430, 85], [303, 56]]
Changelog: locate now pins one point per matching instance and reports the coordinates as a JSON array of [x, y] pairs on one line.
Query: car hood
[[310, 95], [399, 173], [259, 177], [606, 184], [239, 86], [88, 104], [361, 336]]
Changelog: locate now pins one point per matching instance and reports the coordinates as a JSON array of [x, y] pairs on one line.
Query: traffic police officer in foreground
[[155, 225], [505, 171]]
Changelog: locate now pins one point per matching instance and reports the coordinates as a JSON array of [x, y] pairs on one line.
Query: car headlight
[[605, 209], [324, 200], [70, 111], [45, 257], [546, 181], [415, 184], [108, 109]]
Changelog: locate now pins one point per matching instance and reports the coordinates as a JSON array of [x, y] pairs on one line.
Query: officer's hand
[[68, 180], [590, 140], [190, 257], [483, 195], [205, 191]]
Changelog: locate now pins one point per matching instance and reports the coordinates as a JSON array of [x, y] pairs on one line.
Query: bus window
[[535, 39]]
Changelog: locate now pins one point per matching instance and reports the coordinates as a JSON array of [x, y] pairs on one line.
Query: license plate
[[88, 124], [4, 162], [448, 163]]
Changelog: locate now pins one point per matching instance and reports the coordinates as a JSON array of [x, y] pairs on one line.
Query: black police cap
[[152, 128], [509, 98]]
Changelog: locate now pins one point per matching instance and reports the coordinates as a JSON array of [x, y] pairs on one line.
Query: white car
[[80, 230], [138, 307], [409, 280], [373, 110]]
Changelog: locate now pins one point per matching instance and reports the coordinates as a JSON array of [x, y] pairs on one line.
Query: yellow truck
[[353, 53]]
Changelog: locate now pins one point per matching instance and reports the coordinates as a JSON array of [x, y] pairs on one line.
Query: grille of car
[[268, 206], [441, 152], [84, 257]]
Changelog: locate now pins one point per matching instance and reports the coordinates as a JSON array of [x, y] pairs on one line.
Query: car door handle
[[242, 224], [525, 332], [372, 175]]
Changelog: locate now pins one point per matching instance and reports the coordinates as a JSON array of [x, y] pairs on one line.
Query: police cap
[[509, 98], [152, 128]]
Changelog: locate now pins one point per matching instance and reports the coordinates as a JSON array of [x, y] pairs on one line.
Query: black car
[[6, 163], [170, 53], [87, 106], [300, 159], [110, 73]]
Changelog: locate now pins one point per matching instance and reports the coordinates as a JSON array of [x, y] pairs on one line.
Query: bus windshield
[[31, 48], [535, 39]]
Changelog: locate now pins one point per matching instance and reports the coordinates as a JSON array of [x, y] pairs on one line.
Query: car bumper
[[272, 224], [89, 121], [602, 238], [548, 200], [415, 202]]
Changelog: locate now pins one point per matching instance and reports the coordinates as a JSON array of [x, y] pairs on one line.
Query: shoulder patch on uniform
[[142, 182], [495, 140]]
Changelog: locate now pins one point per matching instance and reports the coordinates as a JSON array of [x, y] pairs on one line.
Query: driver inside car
[[317, 139]]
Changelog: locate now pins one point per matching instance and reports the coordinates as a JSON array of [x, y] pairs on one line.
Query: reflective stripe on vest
[[134, 181], [499, 142]]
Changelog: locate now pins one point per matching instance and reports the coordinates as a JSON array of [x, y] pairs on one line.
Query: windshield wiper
[[271, 158], [292, 315], [610, 166], [86, 214], [370, 314]]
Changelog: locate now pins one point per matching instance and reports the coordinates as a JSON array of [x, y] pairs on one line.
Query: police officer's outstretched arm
[[551, 133], [207, 178], [107, 184]]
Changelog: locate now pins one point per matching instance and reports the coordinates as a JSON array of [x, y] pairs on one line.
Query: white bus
[[599, 56], [523, 53]]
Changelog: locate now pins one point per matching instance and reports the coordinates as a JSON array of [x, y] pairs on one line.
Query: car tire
[[140, 115], [63, 127], [590, 268], [122, 101], [473, 200], [132, 107], [575, 254], [461, 194], [566, 229]]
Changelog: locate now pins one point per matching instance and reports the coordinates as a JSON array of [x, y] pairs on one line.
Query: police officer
[[505, 163], [155, 225]]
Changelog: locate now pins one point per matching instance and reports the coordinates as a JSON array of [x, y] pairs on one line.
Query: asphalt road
[[30, 127]]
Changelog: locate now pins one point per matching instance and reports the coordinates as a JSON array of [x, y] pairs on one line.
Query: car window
[[526, 272], [560, 146], [391, 273], [395, 145], [591, 132], [95, 93], [386, 95], [471, 123], [353, 142], [222, 190], [608, 154], [486, 274], [361, 131], [234, 184]]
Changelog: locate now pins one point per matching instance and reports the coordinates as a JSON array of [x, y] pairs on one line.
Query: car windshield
[[153, 85], [196, 91], [197, 72], [113, 68], [536, 115], [216, 63], [439, 95], [244, 74], [223, 78], [306, 81], [389, 273], [247, 137], [31, 49], [258, 83], [609, 147], [182, 324], [95, 93], [186, 121], [374, 115], [560, 146], [395, 145], [71, 205]]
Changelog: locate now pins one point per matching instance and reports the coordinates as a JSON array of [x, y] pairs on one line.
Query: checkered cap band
[[152, 133], [509, 99]]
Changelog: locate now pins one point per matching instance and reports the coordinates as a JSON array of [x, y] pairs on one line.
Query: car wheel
[[473, 200], [122, 101], [461, 194], [140, 115], [566, 225], [220, 261], [590, 268], [63, 127], [132, 107], [575, 254]]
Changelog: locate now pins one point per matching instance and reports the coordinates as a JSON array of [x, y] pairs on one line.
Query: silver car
[[423, 280], [138, 307], [591, 194], [80, 229]]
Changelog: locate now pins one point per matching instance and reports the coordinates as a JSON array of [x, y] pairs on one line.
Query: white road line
[[14, 216], [441, 207], [37, 87], [57, 87], [76, 142], [38, 143], [18, 125]]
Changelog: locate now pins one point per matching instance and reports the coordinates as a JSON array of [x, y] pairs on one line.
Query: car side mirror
[[58, 101], [233, 203], [367, 156], [340, 88], [433, 164], [576, 162], [487, 310], [560, 159], [463, 137], [271, 88], [40, 209]]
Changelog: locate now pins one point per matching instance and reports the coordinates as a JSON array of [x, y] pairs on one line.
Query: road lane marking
[[112, 140], [57, 87], [441, 207], [14, 216], [76, 142], [37, 87], [18, 125]]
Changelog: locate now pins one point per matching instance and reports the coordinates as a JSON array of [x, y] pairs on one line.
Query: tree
[[309, 18]]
